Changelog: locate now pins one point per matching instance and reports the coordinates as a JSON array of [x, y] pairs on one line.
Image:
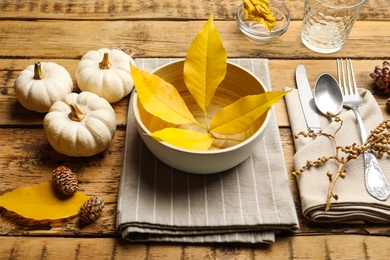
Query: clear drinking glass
[[327, 23]]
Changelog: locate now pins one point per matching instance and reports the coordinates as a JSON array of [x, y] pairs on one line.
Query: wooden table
[[62, 31]]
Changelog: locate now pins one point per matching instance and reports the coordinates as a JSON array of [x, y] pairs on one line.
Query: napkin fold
[[248, 203], [354, 204]]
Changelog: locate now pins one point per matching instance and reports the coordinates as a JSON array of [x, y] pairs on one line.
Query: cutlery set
[[345, 95]]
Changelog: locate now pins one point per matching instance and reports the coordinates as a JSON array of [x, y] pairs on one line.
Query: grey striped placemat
[[248, 203]]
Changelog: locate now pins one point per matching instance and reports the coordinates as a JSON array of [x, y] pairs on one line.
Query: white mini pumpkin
[[40, 85], [80, 125], [106, 73]]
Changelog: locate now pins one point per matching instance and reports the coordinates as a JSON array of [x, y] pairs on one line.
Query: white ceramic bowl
[[257, 32], [223, 155]]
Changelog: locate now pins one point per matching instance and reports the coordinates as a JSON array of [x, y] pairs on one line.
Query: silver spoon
[[327, 94], [328, 98]]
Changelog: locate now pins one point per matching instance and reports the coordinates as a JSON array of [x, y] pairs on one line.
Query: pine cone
[[381, 78], [65, 180], [91, 209]]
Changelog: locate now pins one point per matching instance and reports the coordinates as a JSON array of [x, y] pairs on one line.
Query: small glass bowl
[[257, 32]]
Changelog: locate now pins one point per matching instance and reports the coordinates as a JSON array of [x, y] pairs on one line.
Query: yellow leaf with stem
[[205, 64], [184, 138], [42, 202], [160, 98], [240, 115]]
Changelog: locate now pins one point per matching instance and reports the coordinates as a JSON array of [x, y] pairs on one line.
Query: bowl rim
[[282, 29], [217, 151]]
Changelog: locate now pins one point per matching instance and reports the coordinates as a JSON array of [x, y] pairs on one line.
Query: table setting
[[248, 203], [225, 185], [116, 197], [159, 203]]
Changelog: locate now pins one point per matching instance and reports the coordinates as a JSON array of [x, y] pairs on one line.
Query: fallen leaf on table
[[42, 202]]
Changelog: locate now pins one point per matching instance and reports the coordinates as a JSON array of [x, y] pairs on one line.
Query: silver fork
[[375, 181]]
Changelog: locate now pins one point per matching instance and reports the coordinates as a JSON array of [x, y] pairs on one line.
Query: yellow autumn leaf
[[239, 116], [205, 64], [184, 138], [42, 202], [160, 98]]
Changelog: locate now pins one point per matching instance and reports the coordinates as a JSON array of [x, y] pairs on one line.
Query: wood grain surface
[[63, 31]]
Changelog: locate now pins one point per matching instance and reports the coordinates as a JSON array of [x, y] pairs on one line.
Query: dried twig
[[378, 141]]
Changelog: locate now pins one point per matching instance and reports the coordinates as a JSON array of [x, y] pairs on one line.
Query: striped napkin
[[248, 203], [354, 204]]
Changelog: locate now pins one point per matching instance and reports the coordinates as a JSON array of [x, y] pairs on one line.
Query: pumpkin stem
[[76, 114], [105, 63], [38, 74]]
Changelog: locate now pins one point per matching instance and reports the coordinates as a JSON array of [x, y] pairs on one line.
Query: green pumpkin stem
[[38, 74], [76, 114], [105, 63]]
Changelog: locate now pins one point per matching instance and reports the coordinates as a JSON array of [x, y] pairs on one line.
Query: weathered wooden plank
[[161, 9], [69, 248], [297, 247], [127, 9], [71, 39]]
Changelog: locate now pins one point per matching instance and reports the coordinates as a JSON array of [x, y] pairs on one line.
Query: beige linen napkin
[[245, 204], [354, 203]]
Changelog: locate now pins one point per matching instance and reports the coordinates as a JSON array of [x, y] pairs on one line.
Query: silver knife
[[307, 100]]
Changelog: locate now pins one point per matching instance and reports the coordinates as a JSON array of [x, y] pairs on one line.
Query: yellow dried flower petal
[[259, 10]]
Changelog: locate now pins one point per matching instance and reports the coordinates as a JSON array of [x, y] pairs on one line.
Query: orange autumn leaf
[[42, 202]]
